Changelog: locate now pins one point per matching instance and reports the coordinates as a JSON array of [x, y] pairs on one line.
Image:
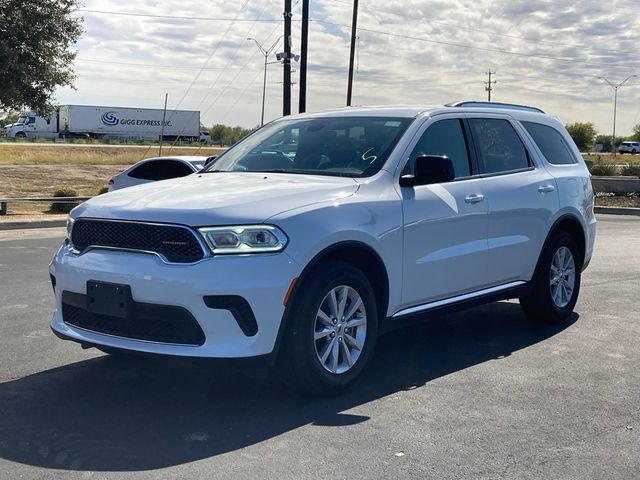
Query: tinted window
[[498, 146], [174, 169], [146, 171], [445, 137], [160, 170], [551, 143]]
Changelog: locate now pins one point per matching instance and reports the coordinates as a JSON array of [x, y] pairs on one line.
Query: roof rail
[[512, 106]]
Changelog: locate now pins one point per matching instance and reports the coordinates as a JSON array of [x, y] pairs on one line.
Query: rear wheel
[[556, 283], [331, 332]]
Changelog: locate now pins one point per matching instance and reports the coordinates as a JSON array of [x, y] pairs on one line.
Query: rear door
[[445, 224], [521, 196]]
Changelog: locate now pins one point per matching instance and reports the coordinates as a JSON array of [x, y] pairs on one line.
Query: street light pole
[[266, 54], [615, 87]]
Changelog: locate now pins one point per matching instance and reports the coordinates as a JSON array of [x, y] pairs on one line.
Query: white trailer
[[82, 121]]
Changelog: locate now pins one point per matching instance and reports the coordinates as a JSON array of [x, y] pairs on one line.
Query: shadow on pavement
[[138, 413]]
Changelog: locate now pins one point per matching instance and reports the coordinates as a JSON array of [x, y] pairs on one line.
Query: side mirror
[[429, 169]]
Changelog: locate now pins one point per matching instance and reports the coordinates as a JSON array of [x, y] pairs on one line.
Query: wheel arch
[[356, 253], [572, 225]]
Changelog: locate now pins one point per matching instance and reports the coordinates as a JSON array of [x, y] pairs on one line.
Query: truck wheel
[[331, 332], [556, 283], [21, 135]]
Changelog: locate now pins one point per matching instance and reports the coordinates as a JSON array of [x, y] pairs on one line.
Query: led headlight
[[244, 239], [70, 222]]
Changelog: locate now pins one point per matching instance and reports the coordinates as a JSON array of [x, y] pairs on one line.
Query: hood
[[221, 198]]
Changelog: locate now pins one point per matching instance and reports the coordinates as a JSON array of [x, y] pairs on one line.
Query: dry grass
[[618, 201], [39, 154], [600, 158], [38, 170]]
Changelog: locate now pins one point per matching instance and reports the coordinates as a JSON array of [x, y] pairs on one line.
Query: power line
[[472, 47], [488, 32], [179, 17], [150, 65], [213, 52]]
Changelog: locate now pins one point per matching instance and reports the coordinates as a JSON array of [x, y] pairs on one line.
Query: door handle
[[546, 188], [476, 198]]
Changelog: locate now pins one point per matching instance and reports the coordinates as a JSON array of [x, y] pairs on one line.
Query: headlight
[[244, 239], [70, 222]]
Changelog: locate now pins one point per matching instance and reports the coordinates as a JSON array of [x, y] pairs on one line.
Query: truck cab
[[31, 125]]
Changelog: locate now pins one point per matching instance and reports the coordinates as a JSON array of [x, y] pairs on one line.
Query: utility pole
[[615, 87], [488, 85], [354, 29], [304, 38], [286, 90], [164, 116]]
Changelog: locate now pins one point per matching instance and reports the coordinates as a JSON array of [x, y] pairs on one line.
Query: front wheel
[[331, 331], [556, 283]]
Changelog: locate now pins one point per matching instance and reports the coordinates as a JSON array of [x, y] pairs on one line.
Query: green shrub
[[631, 170], [603, 169], [104, 189], [64, 207]]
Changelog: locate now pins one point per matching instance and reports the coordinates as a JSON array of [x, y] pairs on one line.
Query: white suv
[[317, 232], [629, 147]]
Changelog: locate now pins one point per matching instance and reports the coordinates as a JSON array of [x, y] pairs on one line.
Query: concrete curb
[[617, 210], [33, 224], [62, 223]]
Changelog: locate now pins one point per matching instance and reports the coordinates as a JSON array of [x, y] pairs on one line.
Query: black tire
[[21, 135], [299, 364], [540, 305]]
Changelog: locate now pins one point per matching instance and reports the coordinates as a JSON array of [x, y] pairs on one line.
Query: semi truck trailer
[[89, 121]]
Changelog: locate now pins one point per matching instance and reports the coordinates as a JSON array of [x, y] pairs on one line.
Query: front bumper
[[261, 280]]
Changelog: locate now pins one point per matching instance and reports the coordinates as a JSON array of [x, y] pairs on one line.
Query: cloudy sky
[[548, 53]]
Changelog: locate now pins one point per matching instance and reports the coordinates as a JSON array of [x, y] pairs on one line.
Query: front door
[[445, 224]]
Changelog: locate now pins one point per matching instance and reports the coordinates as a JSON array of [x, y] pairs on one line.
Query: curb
[[617, 210], [36, 224], [63, 223]]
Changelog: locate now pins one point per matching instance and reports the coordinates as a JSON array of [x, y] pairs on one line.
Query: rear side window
[[161, 170], [146, 171], [445, 137], [174, 169], [551, 143], [498, 146]]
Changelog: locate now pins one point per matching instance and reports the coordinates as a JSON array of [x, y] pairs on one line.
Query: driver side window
[[445, 138]]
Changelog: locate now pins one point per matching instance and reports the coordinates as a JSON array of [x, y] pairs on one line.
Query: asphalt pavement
[[477, 394]]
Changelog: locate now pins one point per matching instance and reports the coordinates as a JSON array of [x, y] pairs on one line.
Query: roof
[[412, 111]]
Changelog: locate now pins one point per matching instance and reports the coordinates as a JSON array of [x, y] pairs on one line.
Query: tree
[[35, 51], [583, 135], [9, 117], [636, 133], [226, 135], [605, 141]]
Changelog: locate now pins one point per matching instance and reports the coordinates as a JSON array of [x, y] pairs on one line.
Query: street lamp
[[266, 53], [615, 87]]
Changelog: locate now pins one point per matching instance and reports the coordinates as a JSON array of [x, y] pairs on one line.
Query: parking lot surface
[[477, 394]]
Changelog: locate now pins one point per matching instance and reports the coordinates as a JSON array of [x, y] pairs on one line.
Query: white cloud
[[547, 53]]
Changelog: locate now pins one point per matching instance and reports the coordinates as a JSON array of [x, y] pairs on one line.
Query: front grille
[[176, 244], [151, 322]]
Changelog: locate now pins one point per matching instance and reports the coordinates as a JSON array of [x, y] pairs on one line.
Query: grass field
[[89, 155], [38, 170], [27, 170]]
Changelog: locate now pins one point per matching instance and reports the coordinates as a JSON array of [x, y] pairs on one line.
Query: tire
[[308, 361], [556, 283], [21, 135]]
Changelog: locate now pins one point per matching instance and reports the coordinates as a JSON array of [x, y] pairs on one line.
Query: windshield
[[340, 146]]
